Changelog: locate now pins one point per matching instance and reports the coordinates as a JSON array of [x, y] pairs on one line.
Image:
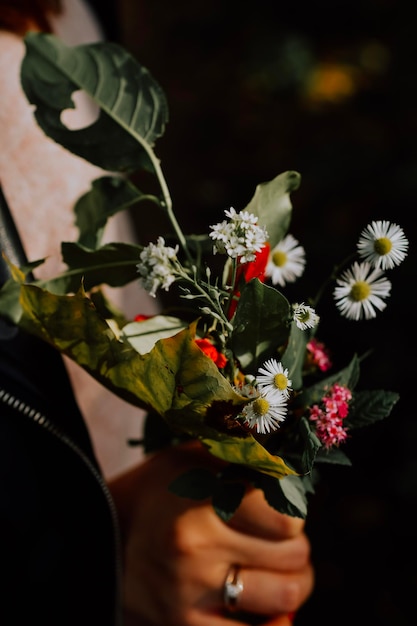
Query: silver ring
[[233, 588]]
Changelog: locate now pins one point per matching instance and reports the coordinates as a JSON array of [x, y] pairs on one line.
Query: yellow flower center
[[382, 246], [303, 315], [360, 291], [280, 381], [279, 258], [261, 406]]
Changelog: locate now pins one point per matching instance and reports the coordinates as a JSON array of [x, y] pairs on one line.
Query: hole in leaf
[[85, 113]]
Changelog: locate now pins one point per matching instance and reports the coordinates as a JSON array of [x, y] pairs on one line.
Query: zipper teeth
[[39, 418], [21, 407]]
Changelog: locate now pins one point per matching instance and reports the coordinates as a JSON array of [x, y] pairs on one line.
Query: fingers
[[239, 620], [281, 620], [274, 593], [284, 620], [270, 525], [253, 552]]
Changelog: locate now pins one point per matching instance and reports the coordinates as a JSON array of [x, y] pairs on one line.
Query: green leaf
[[260, 325], [348, 377], [288, 495], [333, 456], [144, 335], [370, 406], [227, 498], [113, 264], [294, 355], [156, 433], [249, 453], [271, 203], [311, 443], [196, 484], [293, 489], [10, 308], [133, 107], [200, 483], [107, 196], [175, 379]]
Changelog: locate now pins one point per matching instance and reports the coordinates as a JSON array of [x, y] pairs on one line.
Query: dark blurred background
[[327, 89]]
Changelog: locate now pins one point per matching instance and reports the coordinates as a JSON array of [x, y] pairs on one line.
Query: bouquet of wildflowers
[[235, 364]]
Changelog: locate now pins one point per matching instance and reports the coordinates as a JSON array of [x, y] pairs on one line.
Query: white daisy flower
[[266, 412], [156, 267], [286, 261], [274, 378], [305, 316], [361, 290], [241, 237], [383, 244]]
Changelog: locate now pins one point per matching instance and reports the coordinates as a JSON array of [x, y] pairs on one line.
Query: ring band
[[233, 587]]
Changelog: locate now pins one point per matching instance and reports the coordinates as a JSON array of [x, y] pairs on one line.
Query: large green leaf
[[133, 107], [272, 204], [113, 264], [260, 326], [175, 379]]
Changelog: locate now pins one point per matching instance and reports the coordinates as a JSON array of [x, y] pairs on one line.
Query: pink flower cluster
[[330, 414], [319, 355]]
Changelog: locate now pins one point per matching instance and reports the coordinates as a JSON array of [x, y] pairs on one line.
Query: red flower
[[207, 347], [247, 271], [141, 318], [256, 268]]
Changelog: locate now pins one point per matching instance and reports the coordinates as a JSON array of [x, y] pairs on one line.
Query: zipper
[[39, 418]]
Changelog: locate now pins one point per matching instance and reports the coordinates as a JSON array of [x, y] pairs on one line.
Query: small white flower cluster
[[361, 290], [273, 388], [156, 268], [240, 238]]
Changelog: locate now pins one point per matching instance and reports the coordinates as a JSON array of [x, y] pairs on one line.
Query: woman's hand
[[178, 552]]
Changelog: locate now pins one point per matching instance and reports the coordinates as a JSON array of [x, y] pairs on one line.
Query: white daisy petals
[[361, 290], [273, 378], [286, 262], [266, 412], [383, 244]]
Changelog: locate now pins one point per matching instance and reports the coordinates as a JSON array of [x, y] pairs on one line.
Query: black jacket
[[59, 538]]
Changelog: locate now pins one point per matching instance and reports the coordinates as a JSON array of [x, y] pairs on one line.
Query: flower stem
[[335, 272], [166, 202]]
